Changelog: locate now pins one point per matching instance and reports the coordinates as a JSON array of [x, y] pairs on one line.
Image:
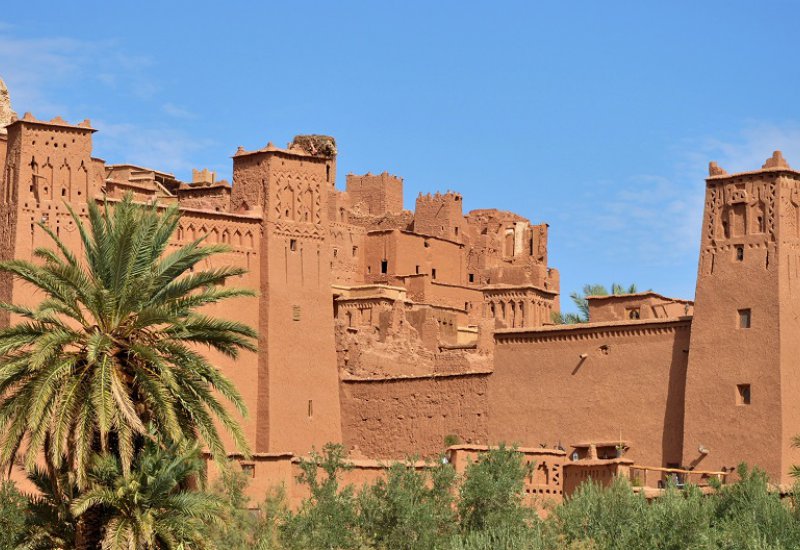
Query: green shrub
[[492, 491], [748, 515], [326, 520], [13, 507], [410, 509]]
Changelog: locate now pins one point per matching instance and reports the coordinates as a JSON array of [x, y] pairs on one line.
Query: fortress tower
[[440, 215], [742, 400], [298, 395], [47, 164]]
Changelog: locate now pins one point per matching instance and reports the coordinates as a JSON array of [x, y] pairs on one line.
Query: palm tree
[[580, 301], [151, 507], [49, 522], [113, 346]]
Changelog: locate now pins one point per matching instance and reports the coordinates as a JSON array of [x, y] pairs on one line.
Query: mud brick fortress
[[389, 330]]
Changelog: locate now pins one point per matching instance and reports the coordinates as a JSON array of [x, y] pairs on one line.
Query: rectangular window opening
[[743, 394], [293, 244], [433, 273], [416, 268], [739, 253], [295, 313], [355, 251], [744, 318], [384, 266], [471, 277], [310, 408]]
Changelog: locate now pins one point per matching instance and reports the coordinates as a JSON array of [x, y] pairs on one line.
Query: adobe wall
[[408, 254], [375, 194], [545, 483], [240, 232], [602, 472], [567, 384], [215, 198], [347, 253], [644, 305], [456, 296], [397, 418], [518, 306], [440, 215]]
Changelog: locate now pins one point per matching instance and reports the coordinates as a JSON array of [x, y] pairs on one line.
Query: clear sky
[[596, 117]]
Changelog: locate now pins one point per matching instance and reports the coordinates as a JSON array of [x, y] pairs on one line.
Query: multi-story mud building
[[389, 330]]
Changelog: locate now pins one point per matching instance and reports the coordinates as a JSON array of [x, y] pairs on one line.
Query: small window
[[355, 251], [427, 244], [249, 470], [433, 273], [416, 268], [743, 394], [310, 408], [744, 318], [293, 244], [384, 266], [295, 313], [739, 253], [471, 277], [327, 172], [634, 313], [335, 252], [456, 230]]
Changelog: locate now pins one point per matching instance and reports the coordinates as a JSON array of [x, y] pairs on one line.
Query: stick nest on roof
[[315, 144]]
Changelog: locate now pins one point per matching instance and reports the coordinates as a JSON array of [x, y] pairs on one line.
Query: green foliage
[[49, 522], [492, 491], [244, 528], [112, 347], [327, 519], [410, 509], [152, 506], [13, 509], [748, 515]]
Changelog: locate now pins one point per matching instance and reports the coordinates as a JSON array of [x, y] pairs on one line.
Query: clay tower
[[298, 381], [743, 378]]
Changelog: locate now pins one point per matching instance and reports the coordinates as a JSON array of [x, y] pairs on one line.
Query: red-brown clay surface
[[389, 330]]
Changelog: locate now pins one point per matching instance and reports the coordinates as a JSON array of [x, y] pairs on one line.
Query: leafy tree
[[153, 505], [112, 347], [409, 509], [327, 519], [491, 494]]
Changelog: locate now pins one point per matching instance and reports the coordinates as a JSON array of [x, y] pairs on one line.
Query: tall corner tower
[[47, 164], [743, 377], [298, 405]]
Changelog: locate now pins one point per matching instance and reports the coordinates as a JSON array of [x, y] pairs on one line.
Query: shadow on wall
[[672, 435]]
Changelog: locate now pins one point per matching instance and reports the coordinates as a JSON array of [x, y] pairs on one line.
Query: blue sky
[[598, 117]]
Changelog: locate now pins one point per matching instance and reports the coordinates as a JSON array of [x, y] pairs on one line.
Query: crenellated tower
[[298, 404], [743, 374], [47, 166], [440, 215]]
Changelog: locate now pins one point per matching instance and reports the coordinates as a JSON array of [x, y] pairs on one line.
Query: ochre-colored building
[[389, 330]]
